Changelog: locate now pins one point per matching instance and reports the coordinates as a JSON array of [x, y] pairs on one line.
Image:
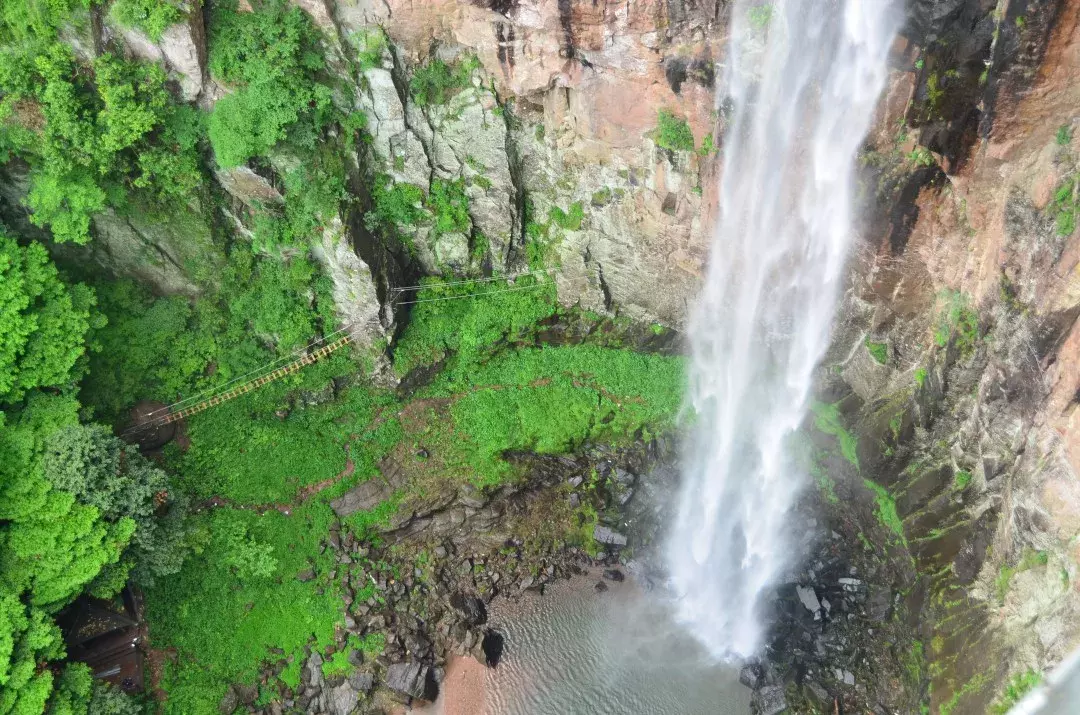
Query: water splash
[[803, 77]]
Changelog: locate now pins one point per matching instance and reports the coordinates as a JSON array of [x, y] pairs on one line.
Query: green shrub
[[394, 204], [1017, 687], [961, 479], [570, 219], [437, 82], [374, 46], [760, 16], [273, 57], [708, 146], [673, 133], [450, 206], [1064, 135], [920, 376], [151, 16], [921, 156]]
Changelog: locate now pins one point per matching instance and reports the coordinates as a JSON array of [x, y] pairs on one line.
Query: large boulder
[[343, 699], [608, 536], [363, 497], [414, 679]]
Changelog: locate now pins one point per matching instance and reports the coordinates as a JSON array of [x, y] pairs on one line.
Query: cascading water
[[803, 77]]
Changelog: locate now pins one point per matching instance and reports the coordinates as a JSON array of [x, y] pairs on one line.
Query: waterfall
[[803, 78]]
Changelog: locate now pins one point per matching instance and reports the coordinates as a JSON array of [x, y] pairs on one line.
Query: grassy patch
[[971, 686], [886, 509], [1028, 560], [913, 660], [961, 479], [878, 351], [469, 326], [570, 219], [673, 133], [920, 376], [224, 620], [1017, 687], [957, 322], [1064, 135], [1064, 205], [828, 421]]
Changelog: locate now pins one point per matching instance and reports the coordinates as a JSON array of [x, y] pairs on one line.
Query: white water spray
[[804, 77]]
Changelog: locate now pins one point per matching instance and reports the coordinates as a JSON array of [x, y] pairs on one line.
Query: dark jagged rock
[[614, 575], [472, 609], [362, 681], [342, 700], [363, 497], [600, 587], [492, 645], [752, 675], [412, 679], [229, 702]]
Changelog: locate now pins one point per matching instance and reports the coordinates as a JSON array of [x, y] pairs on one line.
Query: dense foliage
[[271, 56], [95, 134], [152, 16], [43, 320], [673, 133]]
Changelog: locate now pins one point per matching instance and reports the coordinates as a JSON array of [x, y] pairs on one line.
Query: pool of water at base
[[577, 651]]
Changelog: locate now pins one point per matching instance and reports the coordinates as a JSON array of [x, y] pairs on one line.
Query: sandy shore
[[463, 691]]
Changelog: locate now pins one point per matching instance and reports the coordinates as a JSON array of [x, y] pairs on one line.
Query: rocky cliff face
[[955, 355], [554, 137]]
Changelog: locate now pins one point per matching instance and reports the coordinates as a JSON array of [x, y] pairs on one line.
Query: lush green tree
[[27, 636], [104, 472], [109, 700], [153, 16], [72, 691], [43, 320], [272, 56], [51, 548], [93, 134]]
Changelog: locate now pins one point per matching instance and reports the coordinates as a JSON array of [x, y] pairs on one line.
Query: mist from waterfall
[[802, 81]]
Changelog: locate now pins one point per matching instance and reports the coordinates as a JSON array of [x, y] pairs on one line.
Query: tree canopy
[[43, 320]]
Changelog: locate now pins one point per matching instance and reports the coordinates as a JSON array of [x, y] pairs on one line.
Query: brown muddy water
[[574, 651]]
